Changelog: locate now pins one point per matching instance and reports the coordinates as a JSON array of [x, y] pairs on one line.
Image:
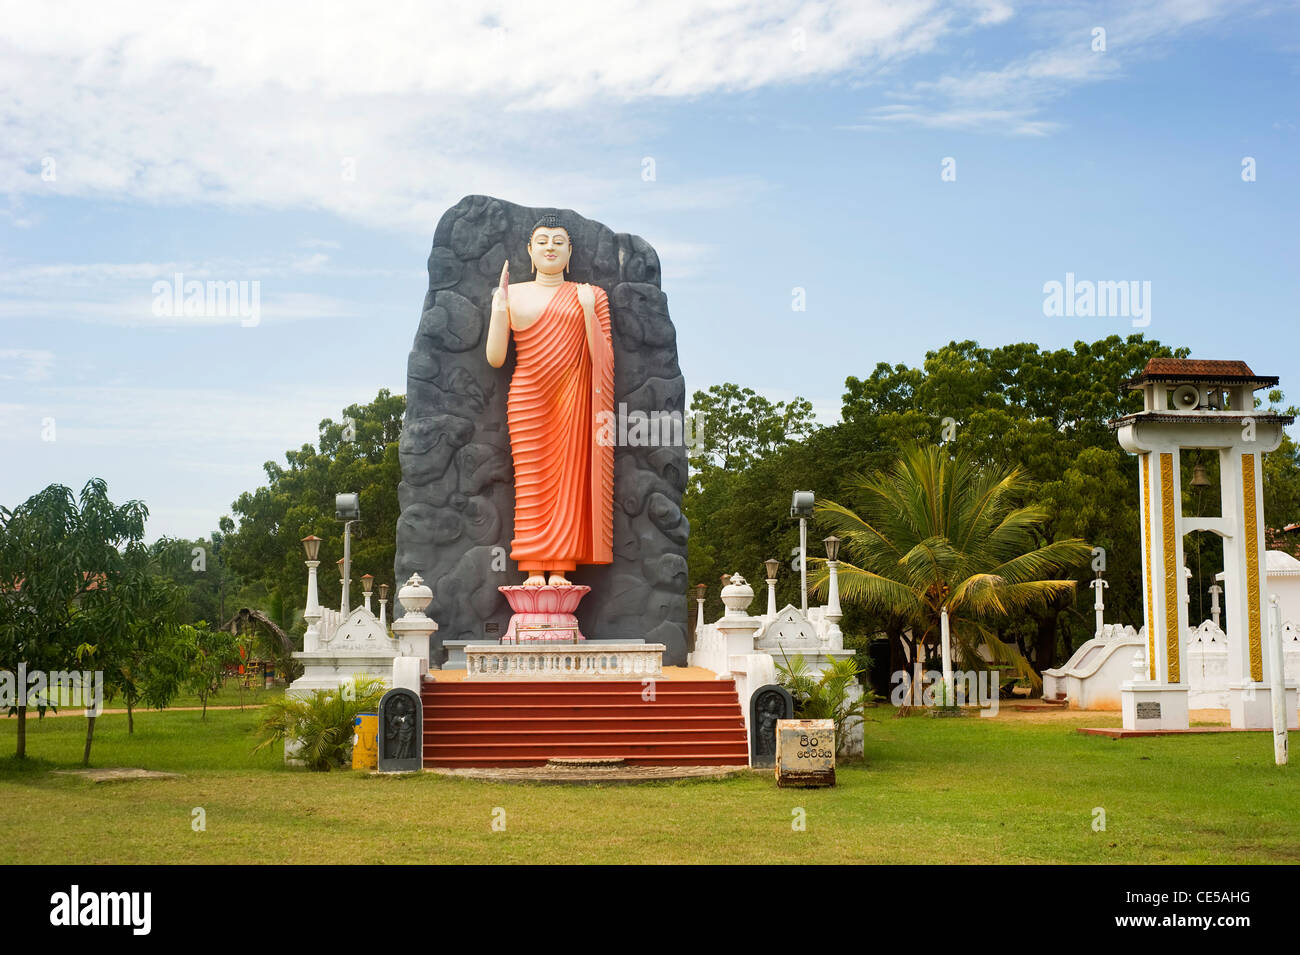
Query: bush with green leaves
[[825, 696], [322, 723]]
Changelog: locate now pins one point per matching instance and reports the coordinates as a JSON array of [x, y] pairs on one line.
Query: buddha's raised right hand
[[501, 294]]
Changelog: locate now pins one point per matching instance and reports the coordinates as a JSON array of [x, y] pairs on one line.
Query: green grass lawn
[[966, 791]]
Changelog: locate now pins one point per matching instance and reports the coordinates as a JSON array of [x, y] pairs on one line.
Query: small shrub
[[322, 723], [825, 696]]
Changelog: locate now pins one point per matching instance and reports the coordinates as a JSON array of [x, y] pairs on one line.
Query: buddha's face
[[550, 250]]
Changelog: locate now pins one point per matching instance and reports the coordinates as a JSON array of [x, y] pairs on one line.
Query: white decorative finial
[[415, 596], [737, 596]]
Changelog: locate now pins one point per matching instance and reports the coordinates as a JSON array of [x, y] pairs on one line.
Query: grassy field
[[953, 791]]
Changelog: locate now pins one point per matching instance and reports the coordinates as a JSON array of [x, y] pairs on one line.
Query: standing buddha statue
[[561, 392]]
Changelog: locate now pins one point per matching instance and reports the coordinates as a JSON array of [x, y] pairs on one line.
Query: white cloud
[[139, 311], [1010, 98], [387, 115], [25, 364], [123, 293]]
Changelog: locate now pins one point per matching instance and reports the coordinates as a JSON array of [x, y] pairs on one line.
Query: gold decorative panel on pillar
[[1144, 473], [1250, 540], [1171, 562]]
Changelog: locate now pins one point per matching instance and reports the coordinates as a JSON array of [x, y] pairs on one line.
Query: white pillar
[[347, 563], [833, 596], [313, 594], [1214, 604], [803, 563], [834, 638], [1277, 688], [1098, 604], [946, 643], [771, 597], [366, 594], [311, 639]]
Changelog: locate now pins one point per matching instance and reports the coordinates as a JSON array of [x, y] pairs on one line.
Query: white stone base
[[1250, 705], [329, 671], [1137, 696]]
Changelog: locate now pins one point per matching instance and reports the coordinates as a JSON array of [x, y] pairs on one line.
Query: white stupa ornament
[[413, 628], [737, 596], [414, 596]]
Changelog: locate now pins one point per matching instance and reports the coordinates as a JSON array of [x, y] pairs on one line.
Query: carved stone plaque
[[805, 753], [1148, 711]]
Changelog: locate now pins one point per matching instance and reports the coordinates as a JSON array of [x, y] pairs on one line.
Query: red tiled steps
[[525, 723]]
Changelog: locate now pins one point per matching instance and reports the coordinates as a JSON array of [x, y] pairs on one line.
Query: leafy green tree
[[1046, 412], [738, 433], [198, 567], [1282, 484], [137, 638], [57, 552], [936, 532], [358, 454], [207, 653], [735, 426]]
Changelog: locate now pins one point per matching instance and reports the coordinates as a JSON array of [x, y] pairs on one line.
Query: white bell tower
[[1209, 405]]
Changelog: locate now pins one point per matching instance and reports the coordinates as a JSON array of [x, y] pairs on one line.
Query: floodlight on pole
[[347, 508], [801, 506]]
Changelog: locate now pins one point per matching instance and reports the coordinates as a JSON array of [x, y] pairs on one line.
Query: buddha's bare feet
[[559, 580], [535, 580]]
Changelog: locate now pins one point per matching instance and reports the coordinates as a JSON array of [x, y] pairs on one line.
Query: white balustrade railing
[[540, 662]]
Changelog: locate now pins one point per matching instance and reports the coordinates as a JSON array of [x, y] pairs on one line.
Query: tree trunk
[[1045, 643], [22, 732], [90, 735], [897, 659], [130, 716]]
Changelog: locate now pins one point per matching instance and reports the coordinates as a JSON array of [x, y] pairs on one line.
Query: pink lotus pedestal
[[543, 614]]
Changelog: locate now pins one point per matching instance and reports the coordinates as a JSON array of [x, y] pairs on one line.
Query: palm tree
[[937, 531]]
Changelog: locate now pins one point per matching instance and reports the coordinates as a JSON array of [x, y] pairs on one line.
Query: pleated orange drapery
[[564, 468]]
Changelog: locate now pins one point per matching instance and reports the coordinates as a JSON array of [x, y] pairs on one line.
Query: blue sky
[[794, 145]]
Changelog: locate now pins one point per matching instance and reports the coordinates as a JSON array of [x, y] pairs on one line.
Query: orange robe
[[564, 460]]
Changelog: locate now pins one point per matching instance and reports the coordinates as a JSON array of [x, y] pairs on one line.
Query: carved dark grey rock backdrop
[[457, 490]]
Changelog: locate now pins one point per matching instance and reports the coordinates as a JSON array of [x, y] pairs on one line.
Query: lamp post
[[699, 605], [801, 506], [772, 567], [833, 566], [367, 588], [347, 508], [311, 547], [833, 613], [1214, 605], [343, 601], [383, 605]]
